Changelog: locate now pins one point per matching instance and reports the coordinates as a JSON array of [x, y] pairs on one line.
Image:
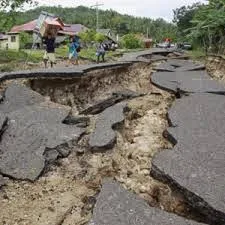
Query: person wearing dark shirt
[[50, 50]]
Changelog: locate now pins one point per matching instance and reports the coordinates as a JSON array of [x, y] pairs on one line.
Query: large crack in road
[[132, 116]]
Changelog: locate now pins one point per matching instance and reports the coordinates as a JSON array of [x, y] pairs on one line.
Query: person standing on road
[[73, 53], [49, 54], [100, 52]]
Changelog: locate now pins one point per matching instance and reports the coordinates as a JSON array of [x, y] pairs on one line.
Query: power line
[[97, 14]]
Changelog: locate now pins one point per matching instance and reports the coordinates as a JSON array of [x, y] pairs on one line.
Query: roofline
[[13, 33]]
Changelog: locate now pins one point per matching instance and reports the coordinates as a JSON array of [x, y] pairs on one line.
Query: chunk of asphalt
[[116, 97], [117, 206], [196, 165], [18, 96], [22, 156], [165, 67], [187, 81], [174, 65], [32, 130], [33, 126], [104, 137]]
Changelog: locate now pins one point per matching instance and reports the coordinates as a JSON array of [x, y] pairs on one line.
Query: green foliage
[[25, 38], [197, 54], [203, 25], [100, 37], [14, 4], [130, 41], [183, 17], [10, 55], [208, 28], [7, 20], [90, 54], [88, 36]]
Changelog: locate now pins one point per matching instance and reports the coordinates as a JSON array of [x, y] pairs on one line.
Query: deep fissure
[[146, 120]]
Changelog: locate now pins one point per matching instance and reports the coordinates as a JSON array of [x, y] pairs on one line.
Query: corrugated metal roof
[[74, 28], [70, 29], [24, 27]]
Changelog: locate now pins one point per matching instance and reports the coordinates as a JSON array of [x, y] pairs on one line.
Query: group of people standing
[[73, 47]]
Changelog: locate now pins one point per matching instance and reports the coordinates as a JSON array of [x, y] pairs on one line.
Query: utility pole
[[97, 14]]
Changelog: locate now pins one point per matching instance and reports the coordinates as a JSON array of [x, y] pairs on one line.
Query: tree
[[14, 4], [183, 17], [130, 41], [208, 28], [100, 37], [109, 19], [88, 36], [25, 39]]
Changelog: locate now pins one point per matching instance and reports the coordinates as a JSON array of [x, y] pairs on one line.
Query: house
[[3, 41], [10, 40], [14, 40]]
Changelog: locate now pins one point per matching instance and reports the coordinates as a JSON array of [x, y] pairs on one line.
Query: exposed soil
[[65, 194], [216, 67]]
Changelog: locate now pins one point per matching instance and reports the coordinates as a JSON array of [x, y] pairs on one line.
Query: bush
[[11, 55], [87, 36], [25, 39], [7, 67], [130, 41], [100, 37]]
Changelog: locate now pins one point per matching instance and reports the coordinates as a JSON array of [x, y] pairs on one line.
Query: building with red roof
[[27, 27]]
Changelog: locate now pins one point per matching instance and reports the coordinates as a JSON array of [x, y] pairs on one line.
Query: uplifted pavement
[[104, 137], [196, 165], [187, 81], [117, 206], [34, 127], [175, 65]]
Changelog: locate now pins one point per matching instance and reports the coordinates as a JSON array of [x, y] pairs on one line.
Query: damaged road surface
[[117, 206], [34, 127], [85, 145], [196, 164]]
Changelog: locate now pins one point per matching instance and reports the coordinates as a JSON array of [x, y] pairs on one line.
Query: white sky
[[145, 8]]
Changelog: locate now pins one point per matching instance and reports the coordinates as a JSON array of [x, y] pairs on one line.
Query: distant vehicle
[[186, 46], [164, 45]]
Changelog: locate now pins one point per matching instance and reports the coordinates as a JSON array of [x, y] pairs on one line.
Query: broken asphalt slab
[[196, 165], [116, 97], [173, 65], [142, 56], [81, 70], [34, 127], [104, 137], [17, 96], [117, 206], [64, 72], [187, 81]]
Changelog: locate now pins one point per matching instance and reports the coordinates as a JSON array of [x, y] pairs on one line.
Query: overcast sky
[[148, 8]]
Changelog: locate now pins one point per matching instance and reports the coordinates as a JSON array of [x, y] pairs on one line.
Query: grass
[[10, 59], [197, 54], [10, 55]]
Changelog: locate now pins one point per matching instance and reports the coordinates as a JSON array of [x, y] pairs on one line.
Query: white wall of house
[[14, 41]]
